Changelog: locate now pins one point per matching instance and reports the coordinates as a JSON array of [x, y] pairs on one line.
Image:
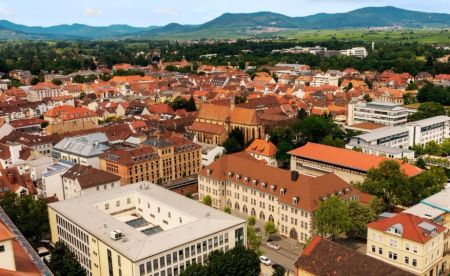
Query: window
[[414, 262], [149, 267], [162, 262], [406, 260], [415, 249], [2, 248], [373, 248], [155, 264], [407, 247], [380, 251], [106, 206], [142, 269]]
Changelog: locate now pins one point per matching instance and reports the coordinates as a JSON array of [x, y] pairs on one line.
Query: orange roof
[[348, 158], [5, 233], [44, 86], [367, 125], [410, 224], [263, 147], [67, 112]]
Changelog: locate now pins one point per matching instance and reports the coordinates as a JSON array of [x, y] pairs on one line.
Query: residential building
[[409, 242], [390, 141], [84, 149], [158, 161], [263, 150], [51, 184], [324, 257], [142, 229], [376, 112], [359, 52], [210, 153], [251, 188], [67, 118], [39, 143], [325, 79], [81, 180], [352, 166], [42, 90], [17, 257]]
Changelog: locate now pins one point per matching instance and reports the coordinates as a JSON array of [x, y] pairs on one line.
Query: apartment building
[[82, 180], [51, 184], [142, 229], [263, 150], [325, 79], [42, 90], [158, 161], [359, 52], [286, 198], [67, 118], [352, 166], [409, 242], [385, 140], [83, 149], [376, 112]]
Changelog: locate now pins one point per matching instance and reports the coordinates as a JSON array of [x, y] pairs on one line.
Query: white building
[[42, 90], [142, 229], [210, 153], [84, 150], [359, 52], [325, 79], [83, 180], [376, 112], [402, 137], [51, 184]]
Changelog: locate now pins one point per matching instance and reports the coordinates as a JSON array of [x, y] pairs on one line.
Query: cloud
[[166, 11], [6, 12], [92, 12]]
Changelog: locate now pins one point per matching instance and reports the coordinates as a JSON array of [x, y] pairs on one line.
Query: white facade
[[376, 112], [52, 182], [325, 79], [210, 153], [72, 188], [359, 52], [7, 260]]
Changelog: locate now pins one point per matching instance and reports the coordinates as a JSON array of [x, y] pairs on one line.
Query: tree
[[411, 86], [409, 98], [191, 105], [282, 151], [420, 163], [227, 209], [253, 240], [207, 200], [270, 228], [302, 114], [377, 206], [179, 103], [63, 262], [57, 82], [387, 182], [360, 216], [279, 271], [251, 221], [238, 261], [28, 214], [232, 146], [367, 98], [332, 217], [316, 128], [426, 184], [427, 110]]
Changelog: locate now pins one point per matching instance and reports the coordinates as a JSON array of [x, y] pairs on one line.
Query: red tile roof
[[410, 224], [348, 158], [262, 147]]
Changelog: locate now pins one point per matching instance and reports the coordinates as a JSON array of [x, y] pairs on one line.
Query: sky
[[161, 12]]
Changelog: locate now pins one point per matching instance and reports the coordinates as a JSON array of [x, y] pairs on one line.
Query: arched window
[[236, 206], [293, 234], [271, 218], [244, 209], [253, 212], [262, 216]]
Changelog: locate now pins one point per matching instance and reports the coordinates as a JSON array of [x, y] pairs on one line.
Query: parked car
[[265, 260], [273, 245]]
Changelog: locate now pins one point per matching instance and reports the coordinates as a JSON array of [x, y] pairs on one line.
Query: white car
[[273, 245], [265, 260]]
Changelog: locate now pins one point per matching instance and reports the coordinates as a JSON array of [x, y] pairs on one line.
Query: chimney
[[294, 176], [12, 178]]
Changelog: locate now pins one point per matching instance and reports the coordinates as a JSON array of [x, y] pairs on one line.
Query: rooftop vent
[[294, 176], [116, 235]]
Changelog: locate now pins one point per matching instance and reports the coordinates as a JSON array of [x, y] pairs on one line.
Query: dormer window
[[282, 191], [396, 229], [238, 177], [347, 190], [209, 171], [295, 200], [323, 198], [264, 185], [273, 187], [230, 174], [255, 181], [246, 179]]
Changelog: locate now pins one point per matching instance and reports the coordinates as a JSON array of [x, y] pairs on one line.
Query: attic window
[[246, 179], [323, 198], [255, 181], [263, 185], [273, 187], [238, 176], [230, 174], [295, 200], [347, 190], [282, 191], [209, 171]]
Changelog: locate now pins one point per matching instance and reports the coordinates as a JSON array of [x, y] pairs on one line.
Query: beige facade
[[7, 255]]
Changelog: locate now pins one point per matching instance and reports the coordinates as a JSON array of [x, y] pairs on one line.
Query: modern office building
[[142, 229], [288, 199], [359, 52], [376, 112], [384, 141]]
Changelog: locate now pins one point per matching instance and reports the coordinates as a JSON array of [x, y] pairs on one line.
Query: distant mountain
[[235, 25]]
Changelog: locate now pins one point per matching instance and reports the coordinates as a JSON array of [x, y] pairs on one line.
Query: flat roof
[[424, 211], [201, 220], [439, 200], [431, 121], [382, 132]]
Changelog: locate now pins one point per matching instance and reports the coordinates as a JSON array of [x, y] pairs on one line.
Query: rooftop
[[324, 257], [348, 158], [440, 200], [86, 145], [262, 147], [88, 176], [199, 220]]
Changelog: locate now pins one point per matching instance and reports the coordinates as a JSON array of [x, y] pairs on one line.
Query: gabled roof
[[409, 226], [214, 112], [88, 176], [309, 190], [323, 257], [262, 147], [348, 158]]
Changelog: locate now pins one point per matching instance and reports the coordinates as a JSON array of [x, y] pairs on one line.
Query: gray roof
[[424, 211], [382, 132], [89, 145], [431, 121], [389, 150], [199, 220], [440, 200], [58, 167]]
